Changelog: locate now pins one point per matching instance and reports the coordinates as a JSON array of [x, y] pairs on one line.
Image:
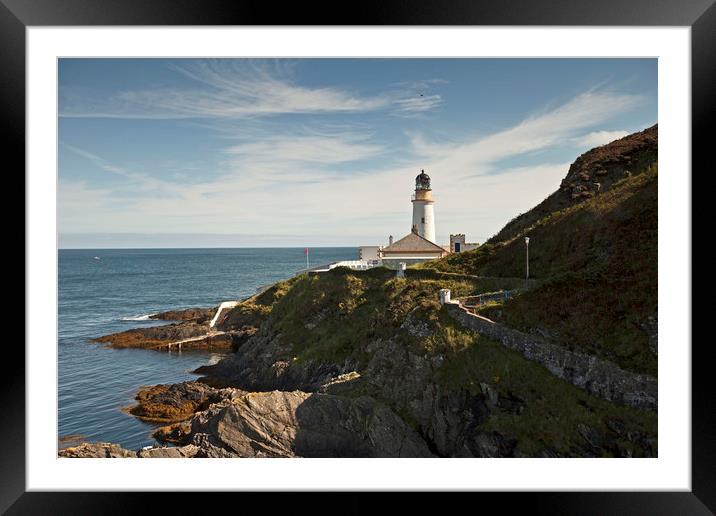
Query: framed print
[[228, 290]]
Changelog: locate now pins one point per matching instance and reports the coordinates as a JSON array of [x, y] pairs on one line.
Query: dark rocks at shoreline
[[97, 450], [68, 441], [190, 335], [153, 337], [233, 423], [175, 402], [198, 315], [297, 424], [114, 451], [259, 402], [192, 332], [180, 452]]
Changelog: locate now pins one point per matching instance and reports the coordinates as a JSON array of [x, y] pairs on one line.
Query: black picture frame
[[700, 15]]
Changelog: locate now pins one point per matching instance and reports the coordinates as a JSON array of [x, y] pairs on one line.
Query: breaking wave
[[144, 317]]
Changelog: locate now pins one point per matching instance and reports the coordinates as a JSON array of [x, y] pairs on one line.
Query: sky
[[324, 152]]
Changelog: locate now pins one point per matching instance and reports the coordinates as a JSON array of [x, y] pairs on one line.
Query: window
[[422, 220]]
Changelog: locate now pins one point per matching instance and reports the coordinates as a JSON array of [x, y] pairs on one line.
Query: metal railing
[[481, 299]]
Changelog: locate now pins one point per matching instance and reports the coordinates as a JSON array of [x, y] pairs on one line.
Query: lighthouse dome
[[422, 181]]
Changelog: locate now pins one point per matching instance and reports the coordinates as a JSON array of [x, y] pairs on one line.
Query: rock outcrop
[[153, 337], [259, 367], [592, 173], [234, 423], [198, 315], [301, 424], [176, 402], [97, 450], [113, 451], [188, 335]]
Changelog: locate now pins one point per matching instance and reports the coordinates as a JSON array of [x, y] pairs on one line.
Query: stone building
[[458, 244]]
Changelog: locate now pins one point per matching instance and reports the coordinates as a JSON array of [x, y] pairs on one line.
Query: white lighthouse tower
[[423, 214]]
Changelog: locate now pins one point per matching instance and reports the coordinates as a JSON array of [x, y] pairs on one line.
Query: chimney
[[390, 240]]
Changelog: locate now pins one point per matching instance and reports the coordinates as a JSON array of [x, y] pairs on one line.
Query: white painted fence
[[222, 306]]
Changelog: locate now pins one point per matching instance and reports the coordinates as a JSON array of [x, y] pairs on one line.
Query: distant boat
[[96, 257]]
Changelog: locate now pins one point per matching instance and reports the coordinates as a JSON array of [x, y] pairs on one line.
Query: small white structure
[[445, 296], [222, 307], [368, 253], [458, 244], [356, 265], [401, 269], [423, 213]]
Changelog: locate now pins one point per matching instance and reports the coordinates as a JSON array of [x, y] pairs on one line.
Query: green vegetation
[[598, 265], [483, 284], [607, 164], [331, 318], [543, 410], [256, 309]]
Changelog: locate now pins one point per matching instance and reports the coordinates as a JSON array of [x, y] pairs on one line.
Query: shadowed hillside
[[595, 254], [592, 173]]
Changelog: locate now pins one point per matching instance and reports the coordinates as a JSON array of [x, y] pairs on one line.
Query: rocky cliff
[[595, 258], [365, 364], [594, 172]]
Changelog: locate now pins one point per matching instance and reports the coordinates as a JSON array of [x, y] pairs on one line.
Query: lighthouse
[[423, 213]]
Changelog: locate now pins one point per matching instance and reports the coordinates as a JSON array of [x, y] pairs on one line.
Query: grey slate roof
[[413, 243]]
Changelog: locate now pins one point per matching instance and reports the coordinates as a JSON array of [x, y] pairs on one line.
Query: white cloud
[[322, 149], [240, 89], [533, 134], [597, 138], [284, 184], [82, 207], [144, 181]]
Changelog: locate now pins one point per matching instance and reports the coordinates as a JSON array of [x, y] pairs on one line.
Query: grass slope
[[598, 262], [331, 318], [594, 254]]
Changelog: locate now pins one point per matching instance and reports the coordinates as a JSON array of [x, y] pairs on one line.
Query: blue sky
[[320, 152]]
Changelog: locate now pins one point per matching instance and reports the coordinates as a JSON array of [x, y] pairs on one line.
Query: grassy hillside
[[602, 293], [350, 317], [594, 172], [597, 262], [333, 317]]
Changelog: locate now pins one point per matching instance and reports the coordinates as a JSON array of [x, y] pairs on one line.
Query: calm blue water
[[97, 297]]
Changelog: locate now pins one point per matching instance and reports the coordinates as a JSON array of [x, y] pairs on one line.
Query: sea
[[104, 291]]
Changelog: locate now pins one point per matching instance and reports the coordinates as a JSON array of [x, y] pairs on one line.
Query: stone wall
[[596, 376]]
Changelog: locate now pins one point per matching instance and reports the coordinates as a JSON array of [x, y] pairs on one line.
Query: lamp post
[[527, 255]]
